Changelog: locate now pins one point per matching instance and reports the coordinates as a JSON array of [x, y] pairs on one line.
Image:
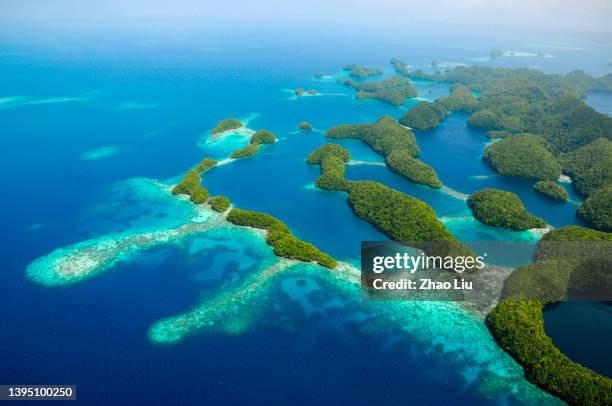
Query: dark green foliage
[[256, 219], [496, 53], [249, 150], [361, 72], [299, 91], [524, 156], [424, 116], [597, 208], [384, 136], [279, 236], [400, 67], [396, 143], [198, 195], [413, 169], [518, 326], [288, 246], [225, 125], [419, 74], [567, 123], [306, 126], [590, 166], [393, 90], [403, 218], [331, 157], [460, 99], [573, 244], [318, 155], [502, 209], [576, 233], [263, 137], [551, 189], [220, 203], [498, 134], [190, 184], [526, 100]]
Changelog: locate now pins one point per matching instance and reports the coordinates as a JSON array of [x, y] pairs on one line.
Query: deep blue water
[[154, 97]]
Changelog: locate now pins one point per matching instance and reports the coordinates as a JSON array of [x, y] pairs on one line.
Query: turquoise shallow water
[[307, 337]]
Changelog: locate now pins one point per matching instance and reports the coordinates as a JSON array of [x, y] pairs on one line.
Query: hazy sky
[[564, 15]]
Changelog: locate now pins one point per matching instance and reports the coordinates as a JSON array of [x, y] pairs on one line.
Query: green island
[[518, 324], [589, 166], [403, 218], [226, 125], [394, 142], [597, 208], [496, 53], [260, 137], [424, 116], [461, 98], [305, 125], [361, 72], [551, 189], [400, 67], [332, 158], [190, 184], [502, 209], [524, 156], [393, 90], [263, 137], [249, 150], [550, 108], [412, 168], [498, 134], [219, 203], [299, 91], [279, 236]]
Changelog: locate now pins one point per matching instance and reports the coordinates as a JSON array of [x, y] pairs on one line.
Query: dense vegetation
[[219, 203], [518, 325], [502, 209], [225, 125], [400, 67], [361, 72], [413, 169], [460, 99], [263, 137], [384, 136], [590, 166], [396, 143], [525, 156], [249, 150], [597, 208], [279, 236], [551, 189], [190, 184], [393, 90], [498, 134], [306, 126], [403, 218], [400, 216], [332, 158], [424, 116]]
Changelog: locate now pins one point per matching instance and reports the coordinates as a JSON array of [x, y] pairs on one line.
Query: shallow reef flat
[[86, 259], [445, 329], [100, 153]]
